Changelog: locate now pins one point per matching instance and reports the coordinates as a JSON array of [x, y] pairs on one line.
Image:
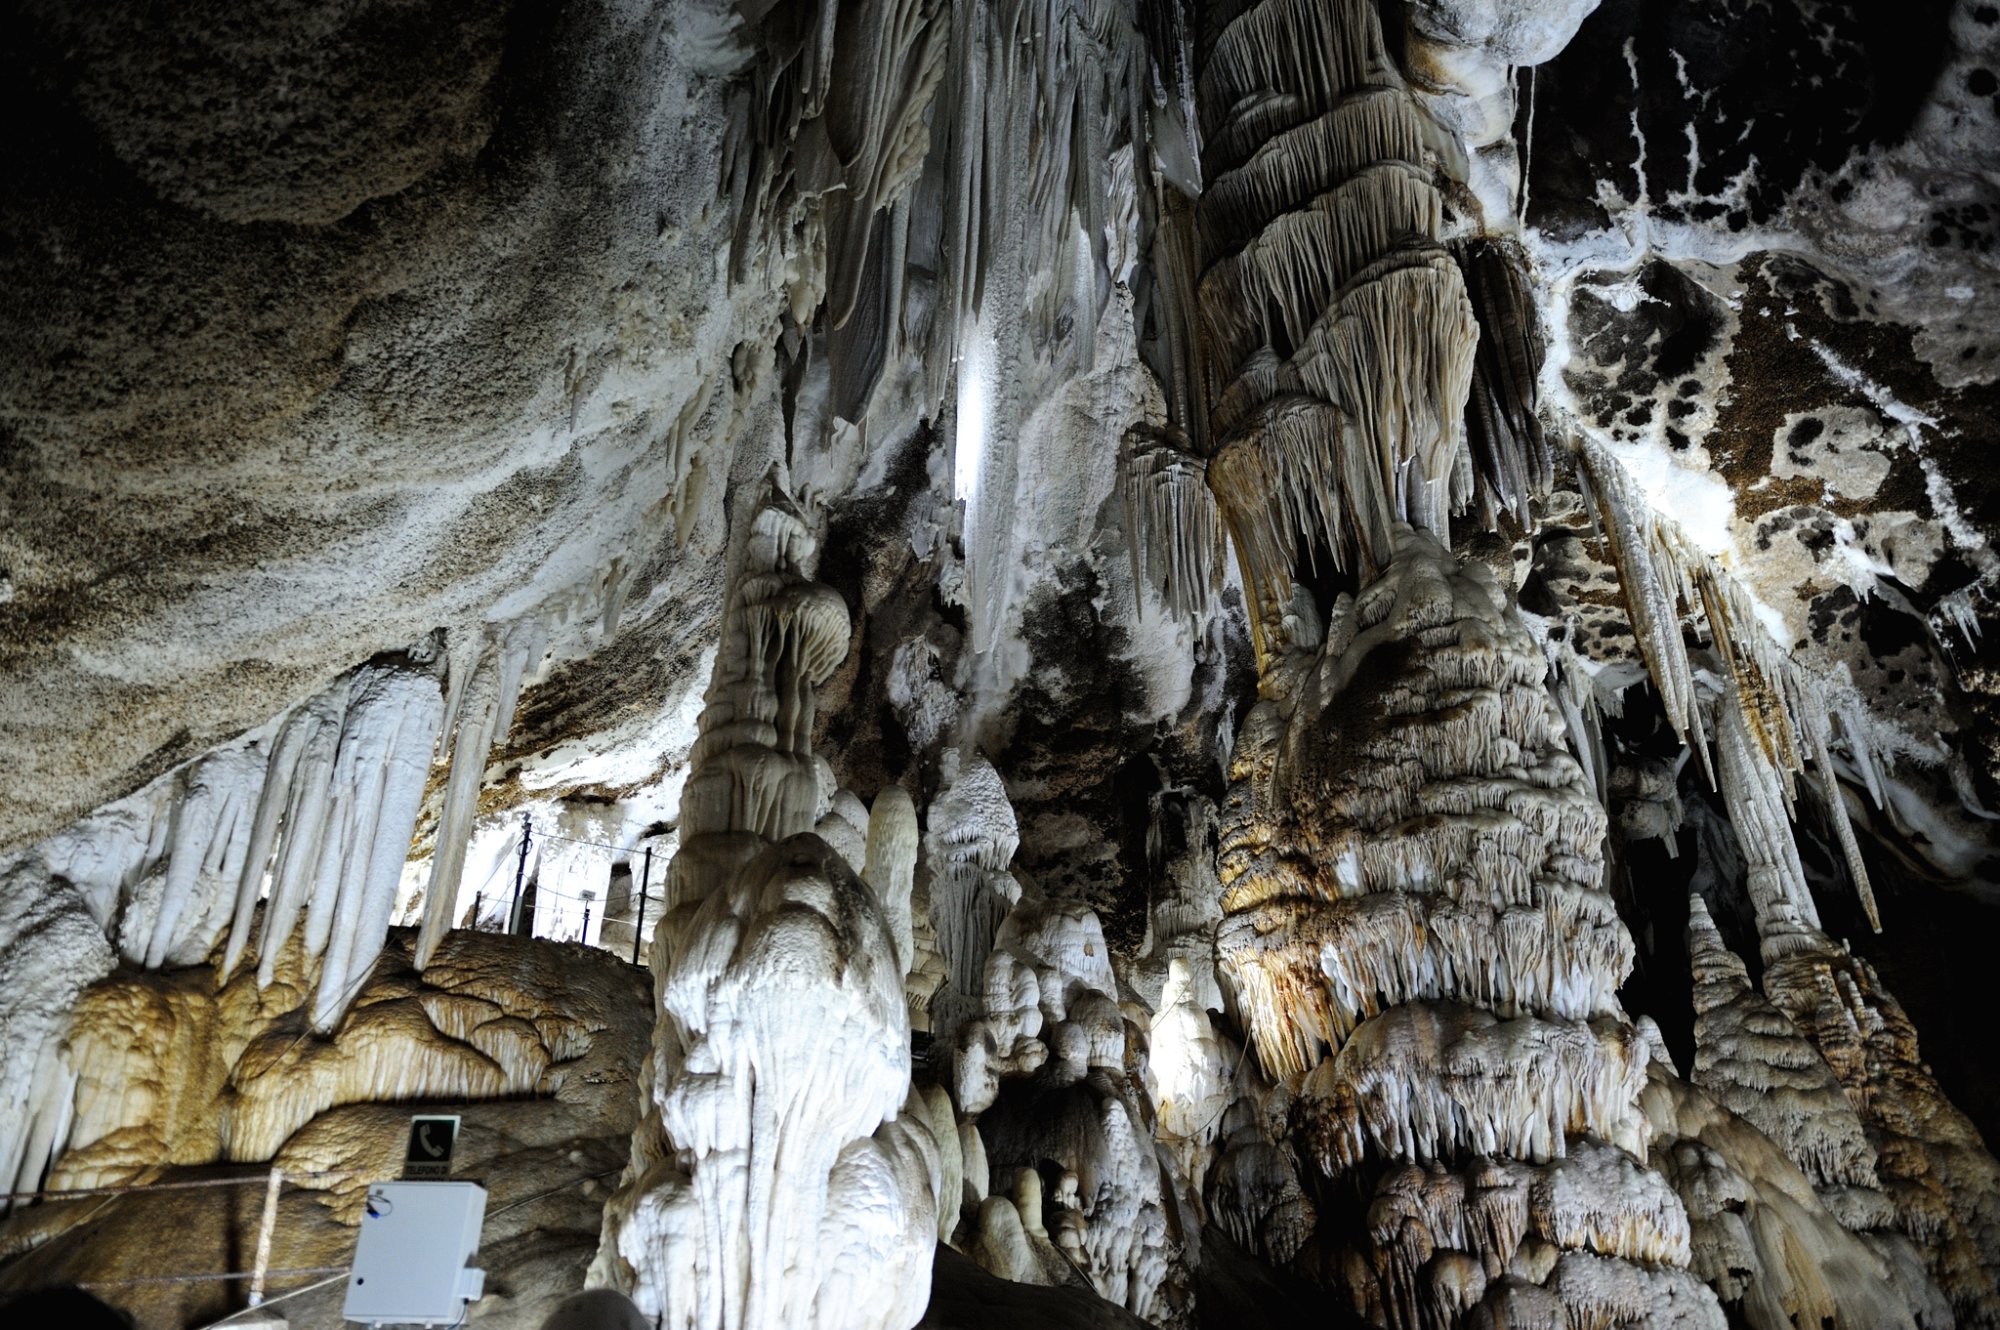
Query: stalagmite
[[970, 843], [1761, 1238], [1941, 1180], [786, 1172], [891, 866], [1047, 1013], [1188, 1070], [1050, 1004], [1757, 1064], [1415, 918]]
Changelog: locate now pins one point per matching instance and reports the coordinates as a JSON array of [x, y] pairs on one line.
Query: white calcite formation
[[969, 846], [1047, 1013], [1754, 1061], [1340, 339], [1254, 1193], [479, 710], [1415, 919], [1442, 1244], [1941, 1180], [785, 1174], [1176, 537], [1188, 1076], [291, 840], [1206, 929], [1051, 1005]]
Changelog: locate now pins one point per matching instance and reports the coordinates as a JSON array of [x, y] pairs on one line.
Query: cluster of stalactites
[[1448, 848], [478, 712], [1774, 718], [1172, 529], [1339, 339], [1440, 1081], [319, 817], [1440, 1241], [1503, 430]]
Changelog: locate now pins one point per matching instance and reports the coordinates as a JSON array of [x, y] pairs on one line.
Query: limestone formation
[[1058, 662], [785, 1173]]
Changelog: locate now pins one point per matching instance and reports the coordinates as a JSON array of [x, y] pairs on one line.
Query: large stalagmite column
[[1415, 919], [777, 1179]]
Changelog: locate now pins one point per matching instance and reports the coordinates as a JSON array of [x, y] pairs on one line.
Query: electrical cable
[[251, 1180], [602, 845], [591, 1177], [135, 1281], [280, 1298]]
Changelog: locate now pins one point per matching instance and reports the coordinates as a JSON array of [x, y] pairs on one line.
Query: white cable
[[271, 1302]]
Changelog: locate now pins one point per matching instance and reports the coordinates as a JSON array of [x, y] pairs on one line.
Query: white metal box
[[411, 1258]]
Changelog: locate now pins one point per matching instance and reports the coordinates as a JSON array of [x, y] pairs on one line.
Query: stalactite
[[1340, 342], [1415, 920], [1505, 434], [1787, 919], [1171, 524], [1438, 1080], [1284, 60], [1275, 288], [1365, 127], [1780, 716], [879, 130], [480, 710]]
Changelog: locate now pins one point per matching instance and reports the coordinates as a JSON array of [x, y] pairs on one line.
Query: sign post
[[432, 1139]]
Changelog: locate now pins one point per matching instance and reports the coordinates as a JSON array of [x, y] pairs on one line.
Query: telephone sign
[[431, 1142]]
